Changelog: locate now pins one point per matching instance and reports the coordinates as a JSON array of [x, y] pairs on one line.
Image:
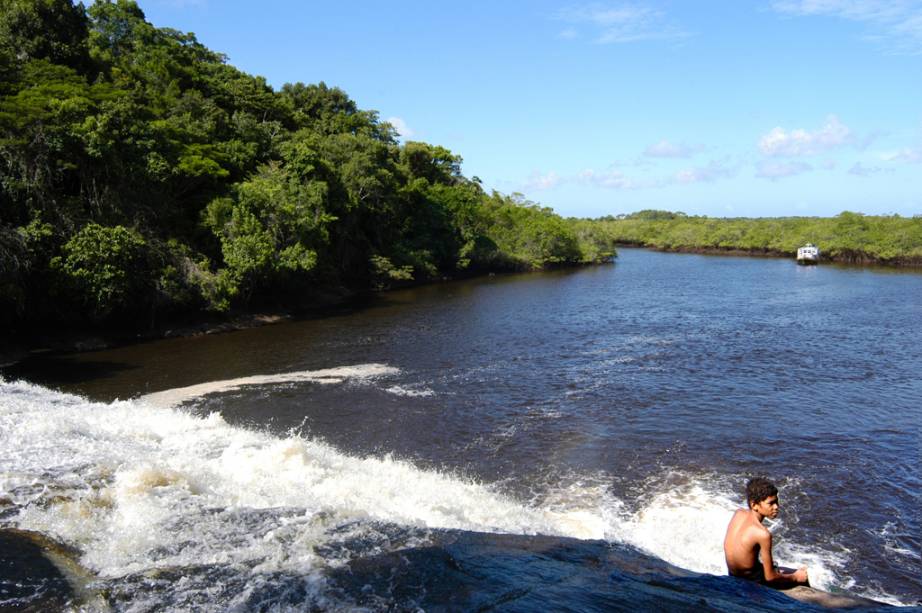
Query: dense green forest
[[142, 176], [847, 237]]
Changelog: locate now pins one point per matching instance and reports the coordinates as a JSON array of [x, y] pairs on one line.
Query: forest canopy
[[141, 176]]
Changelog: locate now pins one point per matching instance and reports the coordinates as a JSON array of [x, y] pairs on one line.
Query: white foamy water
[[176, 396], [411, 392], [135, 487]]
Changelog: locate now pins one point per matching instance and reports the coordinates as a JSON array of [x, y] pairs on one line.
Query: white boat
[[808, 254]]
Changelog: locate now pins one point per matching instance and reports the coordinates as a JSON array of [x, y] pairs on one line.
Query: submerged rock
[[29, 580], [830, 600]]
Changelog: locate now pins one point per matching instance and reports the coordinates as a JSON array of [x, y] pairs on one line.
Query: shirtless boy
[[748, 544]]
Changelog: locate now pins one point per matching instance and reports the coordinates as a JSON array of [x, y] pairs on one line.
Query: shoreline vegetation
[[144, 180], [849, 238]]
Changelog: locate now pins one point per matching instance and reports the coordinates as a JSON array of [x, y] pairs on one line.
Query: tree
[[109, 269], [432, 163], [272, 226], [329, 110], [53, 30]]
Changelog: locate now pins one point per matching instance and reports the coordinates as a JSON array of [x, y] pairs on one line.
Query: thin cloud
[[713, 171], [895, 25], [401, 126], [622, 22], [780, 142], [568, 34], [863, 143], [781, 170], [860, 170], [542, 181], [667, 149], [615, 178], [908, 154], [611, 179]]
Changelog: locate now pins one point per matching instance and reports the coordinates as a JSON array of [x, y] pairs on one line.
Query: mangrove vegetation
[[847, 237]]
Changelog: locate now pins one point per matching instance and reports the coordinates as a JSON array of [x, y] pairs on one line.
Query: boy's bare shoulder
[[744, 523], [739, 516], [759, 531]]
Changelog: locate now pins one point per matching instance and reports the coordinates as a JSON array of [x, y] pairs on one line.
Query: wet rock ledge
[[467, 571]]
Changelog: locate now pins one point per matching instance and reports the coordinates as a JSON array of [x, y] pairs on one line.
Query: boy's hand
[[800, 575]]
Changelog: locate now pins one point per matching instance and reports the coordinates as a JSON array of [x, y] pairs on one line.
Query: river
[[625, 404]]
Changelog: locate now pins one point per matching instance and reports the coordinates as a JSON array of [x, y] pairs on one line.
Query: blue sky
[[720, 108]]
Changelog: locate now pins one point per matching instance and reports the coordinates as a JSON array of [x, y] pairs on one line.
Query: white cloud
[[401, 126], [667, 149], [783, 143], [539, 181], [779, 170], [896, 25], [622, 22], [706, 174]]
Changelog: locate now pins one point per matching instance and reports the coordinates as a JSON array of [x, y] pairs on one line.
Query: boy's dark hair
[[758, 489]]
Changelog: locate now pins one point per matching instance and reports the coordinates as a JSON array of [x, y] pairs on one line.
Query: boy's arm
[[773, 576]]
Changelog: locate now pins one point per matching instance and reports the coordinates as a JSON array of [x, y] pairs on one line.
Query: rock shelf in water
[[458, 571]]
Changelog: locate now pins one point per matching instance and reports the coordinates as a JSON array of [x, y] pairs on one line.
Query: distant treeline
[[142, 176], [847, 237]]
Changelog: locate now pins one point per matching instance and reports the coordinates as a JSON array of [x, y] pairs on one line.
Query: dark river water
[[626, 403]]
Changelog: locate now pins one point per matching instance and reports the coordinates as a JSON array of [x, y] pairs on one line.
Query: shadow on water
[[61, 370]]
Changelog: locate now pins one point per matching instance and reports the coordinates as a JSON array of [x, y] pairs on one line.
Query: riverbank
[[855, 259], [91, 339]]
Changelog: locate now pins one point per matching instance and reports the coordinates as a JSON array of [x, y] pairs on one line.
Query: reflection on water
[[630, 402]]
